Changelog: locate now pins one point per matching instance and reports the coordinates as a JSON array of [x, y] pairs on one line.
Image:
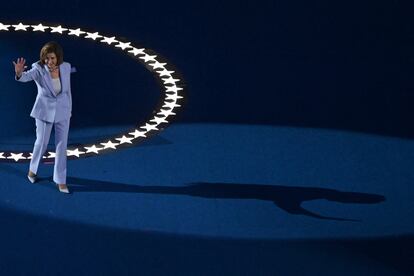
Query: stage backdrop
[[310, 64]]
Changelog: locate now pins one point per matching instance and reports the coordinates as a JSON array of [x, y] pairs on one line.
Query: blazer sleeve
[[30, 75]]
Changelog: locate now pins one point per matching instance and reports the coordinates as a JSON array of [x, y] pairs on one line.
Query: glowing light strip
[[173, 88]]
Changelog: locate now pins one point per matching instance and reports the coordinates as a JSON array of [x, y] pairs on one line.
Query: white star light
[[2, 155], [124, 140], [58, 29], [166, 113], [51, 154], [171, 105], [76, 32], [136, 51], [173, 97], [159, 120], [138, 133], [109, 144], [165, 72], [39, 28], [170, 80], [20, 27], [123, 45], [147, 58], [157, 65], [75, 152], [93, 149], [4, 27], [93, 36], [109, 40], [173, 88], [16, 156], [149, 127]]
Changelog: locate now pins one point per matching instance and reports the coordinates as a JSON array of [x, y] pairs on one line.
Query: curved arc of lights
[[169, 79]]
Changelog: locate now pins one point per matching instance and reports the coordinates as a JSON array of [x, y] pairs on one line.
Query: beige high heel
[[63, 188], [32, 177]]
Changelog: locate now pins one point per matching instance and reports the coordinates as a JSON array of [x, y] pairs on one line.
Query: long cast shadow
[[287, 198]]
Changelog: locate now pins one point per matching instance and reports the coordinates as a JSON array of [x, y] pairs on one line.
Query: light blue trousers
[[43, 130]]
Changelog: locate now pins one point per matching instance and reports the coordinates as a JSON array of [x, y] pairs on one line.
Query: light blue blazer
[[48, 107]]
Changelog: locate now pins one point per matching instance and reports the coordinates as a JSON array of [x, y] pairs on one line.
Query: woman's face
[[51, 60]]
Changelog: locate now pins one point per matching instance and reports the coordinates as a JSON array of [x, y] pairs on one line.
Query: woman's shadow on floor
[[287, 198]]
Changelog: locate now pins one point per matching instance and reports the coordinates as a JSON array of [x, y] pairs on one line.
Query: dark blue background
[[344, 65]]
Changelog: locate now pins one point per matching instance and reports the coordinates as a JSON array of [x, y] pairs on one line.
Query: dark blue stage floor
[[233, 198]]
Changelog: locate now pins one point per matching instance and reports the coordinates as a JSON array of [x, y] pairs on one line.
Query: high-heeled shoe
[[63, 188], [32, 177]]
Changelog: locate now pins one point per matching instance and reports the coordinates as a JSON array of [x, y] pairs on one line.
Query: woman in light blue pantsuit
[[53, 107]]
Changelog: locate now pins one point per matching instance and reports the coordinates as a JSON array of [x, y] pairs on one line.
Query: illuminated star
[[147, 58], [138, 133], [136, 51], [31, 155], [170, 80], [16, 156], [93, 149], [149, 127], [124, 140], [58, 29], [75, 152], [51, 154], [93, 36], [39, 28], [173, 97], [4, 27], [170, 105], [20, 27], [123, 45], [76, 32], [109, 144], [109, 40], [2, 155], [165, 72], [157, 65], [159, 120], [173, 88], [166, 113]]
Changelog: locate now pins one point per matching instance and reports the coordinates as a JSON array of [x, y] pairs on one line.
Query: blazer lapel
[[48, 79]]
